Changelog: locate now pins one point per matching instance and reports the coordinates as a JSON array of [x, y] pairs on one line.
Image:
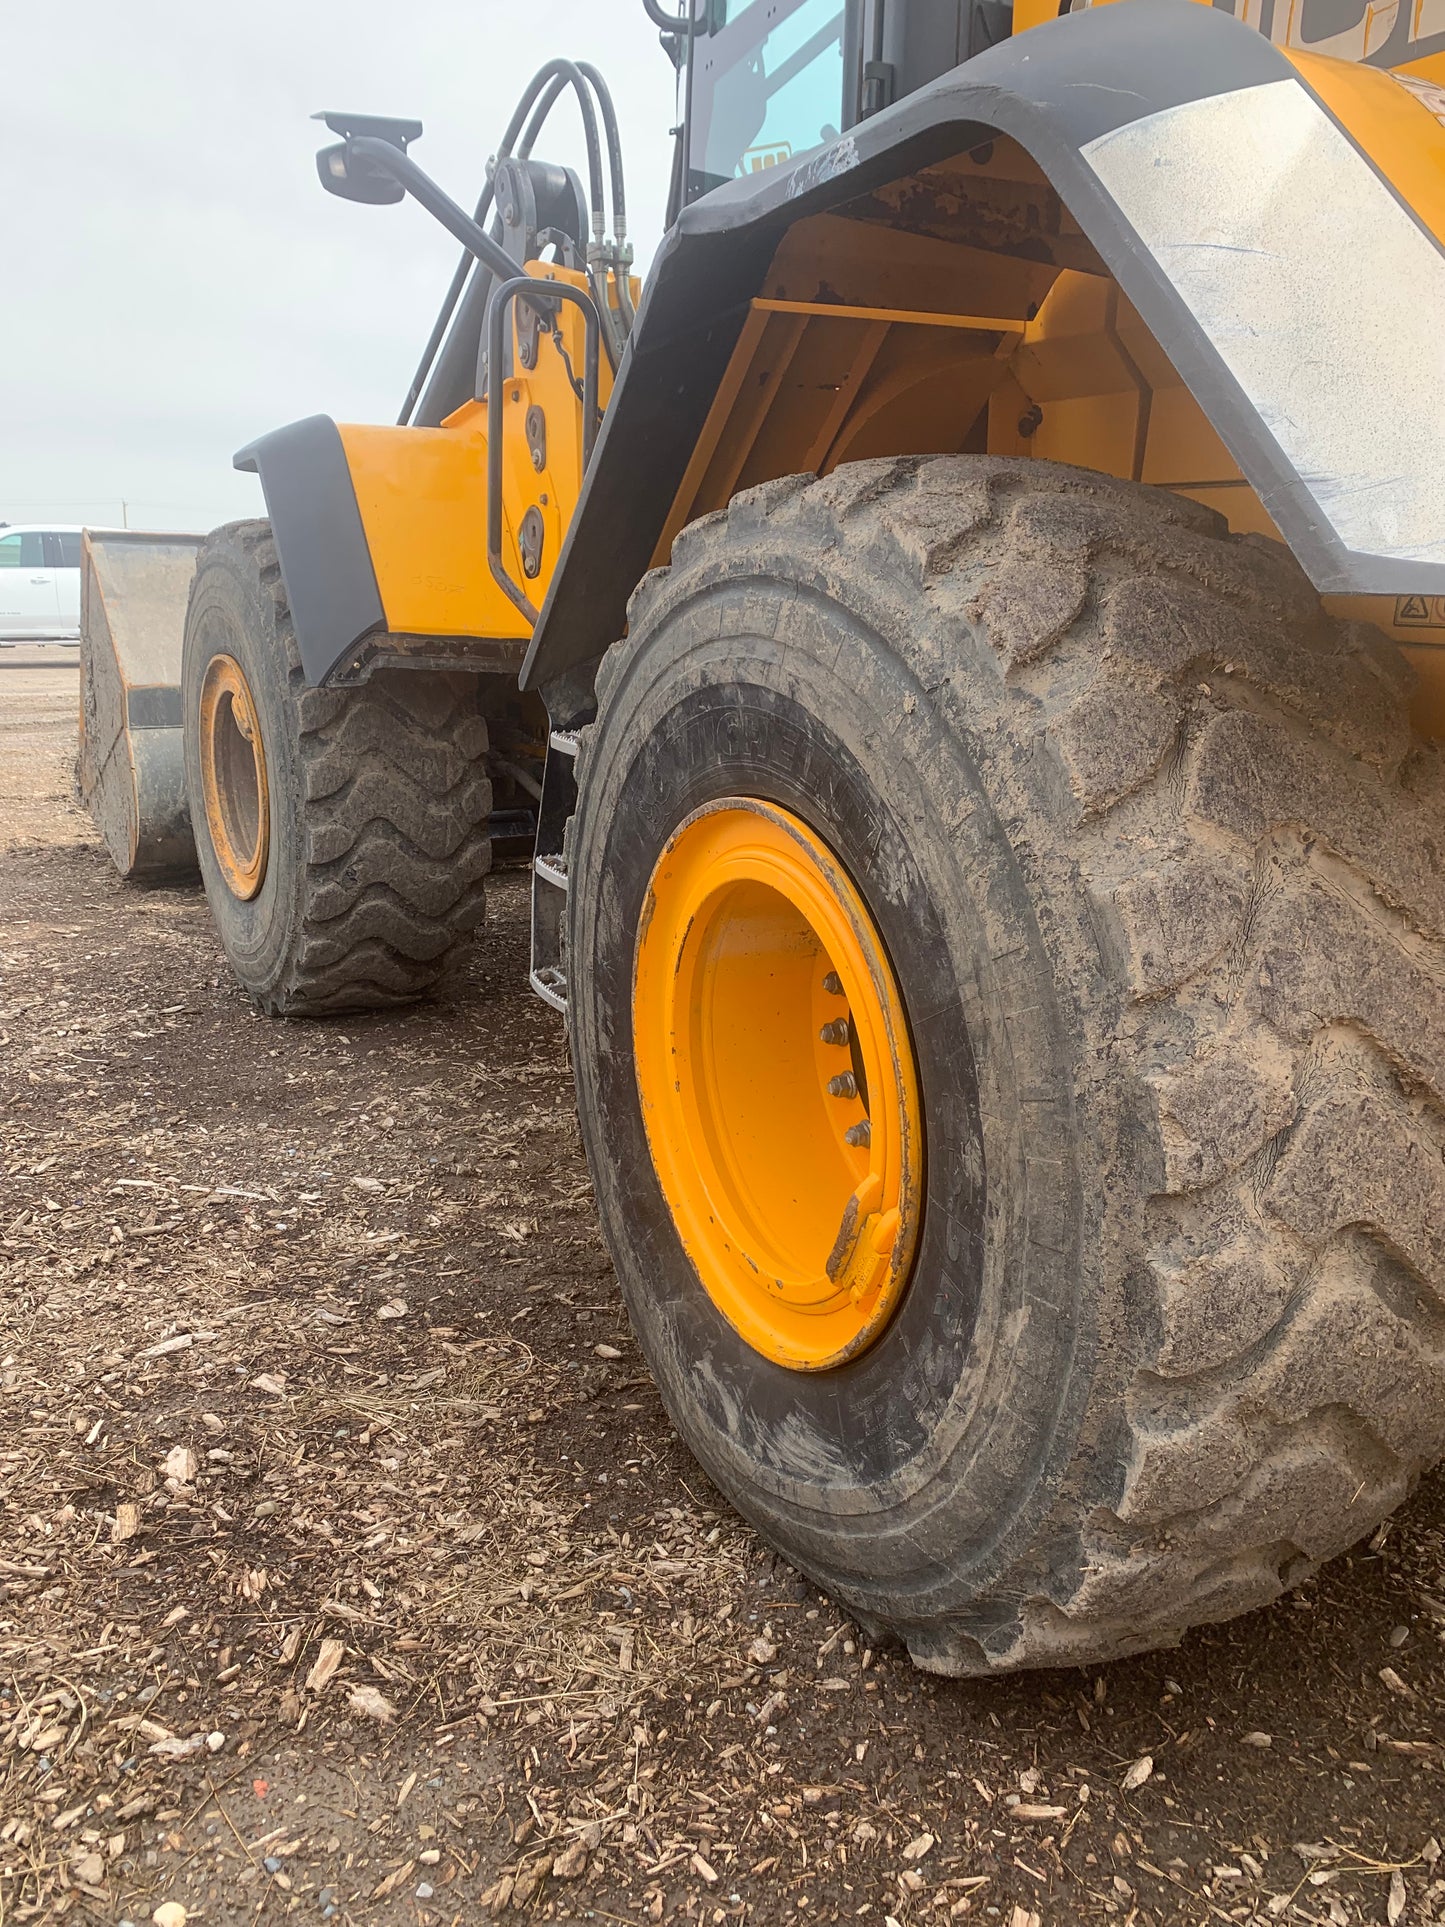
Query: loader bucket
[[131, 767]]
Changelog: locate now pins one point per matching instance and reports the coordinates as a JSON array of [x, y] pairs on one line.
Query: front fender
[[1280, 236]]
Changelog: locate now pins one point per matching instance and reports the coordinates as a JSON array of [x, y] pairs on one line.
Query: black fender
[[1055, 90], [320, 542]]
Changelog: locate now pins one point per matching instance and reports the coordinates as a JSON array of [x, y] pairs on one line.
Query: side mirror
[[353, 176]]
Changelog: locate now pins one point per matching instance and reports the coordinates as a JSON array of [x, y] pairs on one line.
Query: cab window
[[767, 86], [63, 549]]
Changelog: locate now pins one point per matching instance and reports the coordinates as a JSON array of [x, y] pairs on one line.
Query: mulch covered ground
[[349, 1568]]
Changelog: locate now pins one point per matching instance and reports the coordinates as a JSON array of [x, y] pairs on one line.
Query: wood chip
[[1395, 1905], [324, 1667], [393, 1880], [176, 1749], [1139, 1772], [571, 1862], [371, 1704]]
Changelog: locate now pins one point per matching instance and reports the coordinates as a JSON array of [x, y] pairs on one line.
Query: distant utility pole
[[124, 517]]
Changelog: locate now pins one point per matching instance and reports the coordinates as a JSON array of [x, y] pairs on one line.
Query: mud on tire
[[1158, 863], [379, 805]]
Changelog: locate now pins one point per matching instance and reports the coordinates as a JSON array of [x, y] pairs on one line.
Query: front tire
[[342, 833], [1174, 1331]]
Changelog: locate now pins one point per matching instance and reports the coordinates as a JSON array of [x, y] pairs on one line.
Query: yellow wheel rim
[[778, 1084], [233, 777]]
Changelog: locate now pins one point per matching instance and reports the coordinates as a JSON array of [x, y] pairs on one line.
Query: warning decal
[[1420, 612]]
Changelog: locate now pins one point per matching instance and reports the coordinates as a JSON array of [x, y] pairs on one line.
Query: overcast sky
[[174, 279]]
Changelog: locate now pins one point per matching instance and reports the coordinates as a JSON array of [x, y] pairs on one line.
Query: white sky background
[[173, 279]]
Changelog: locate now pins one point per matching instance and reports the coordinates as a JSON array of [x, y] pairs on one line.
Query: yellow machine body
[[996, 355], [422, 493], [868, 341], [959, 307], [1361, 41]]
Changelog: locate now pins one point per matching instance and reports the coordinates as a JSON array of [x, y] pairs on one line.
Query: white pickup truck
[[39, 583]]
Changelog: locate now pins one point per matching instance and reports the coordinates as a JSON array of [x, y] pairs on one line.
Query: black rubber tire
[[379, 805], [1158, 863]]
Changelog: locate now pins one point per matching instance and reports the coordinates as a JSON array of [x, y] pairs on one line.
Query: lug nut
[[836, 1032], [844, 1085], [860, 1135], [833, 984]]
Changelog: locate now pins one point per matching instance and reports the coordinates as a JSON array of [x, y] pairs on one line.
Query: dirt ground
[[349, 1568]]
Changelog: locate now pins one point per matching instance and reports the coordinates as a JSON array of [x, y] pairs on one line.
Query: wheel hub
[[777, 1083], [233, 777]]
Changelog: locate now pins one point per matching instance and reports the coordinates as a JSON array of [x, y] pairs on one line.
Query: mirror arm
[[422, 188]]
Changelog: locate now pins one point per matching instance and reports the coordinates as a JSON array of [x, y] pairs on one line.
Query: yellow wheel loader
[[968, 637]]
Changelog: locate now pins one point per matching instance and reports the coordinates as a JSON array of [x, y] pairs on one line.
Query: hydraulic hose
[[614, 147], [543, 108], [555, 76], [464, 265], [568, 70], [614, 337], [622, 259]]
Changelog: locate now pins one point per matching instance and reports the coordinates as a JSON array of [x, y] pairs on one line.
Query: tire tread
[[1238, 794]]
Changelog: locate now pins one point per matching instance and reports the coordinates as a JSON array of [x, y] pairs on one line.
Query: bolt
[[859, 1134], [844, 1085], [836, 1032], [833, 984]]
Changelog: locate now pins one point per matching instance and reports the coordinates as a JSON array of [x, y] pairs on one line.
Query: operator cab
[[768, 81], [767, 85]]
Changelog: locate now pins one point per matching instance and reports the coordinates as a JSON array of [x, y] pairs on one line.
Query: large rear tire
[[1156, 861], [342, 833]]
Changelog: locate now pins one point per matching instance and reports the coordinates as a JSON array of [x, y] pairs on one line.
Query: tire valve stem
[[833, 984], [860, 1135], [844, 1085], [836, 1032]]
